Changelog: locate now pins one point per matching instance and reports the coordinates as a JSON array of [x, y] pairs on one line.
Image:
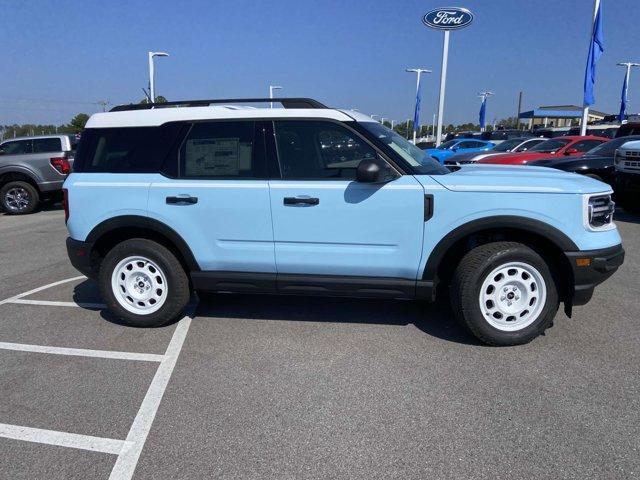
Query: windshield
[[447, 145], [418, 159], [507, 145], [607, 149], [550, 145]]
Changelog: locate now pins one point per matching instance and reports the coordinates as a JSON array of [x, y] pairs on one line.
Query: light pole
[[408, 120], [625, 91], [272, 88], [152, 87], [382, 120], [416, 113], [483, 107], [392, 124]]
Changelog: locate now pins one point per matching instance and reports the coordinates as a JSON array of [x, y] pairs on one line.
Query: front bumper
[[80, 256], [591, 268]]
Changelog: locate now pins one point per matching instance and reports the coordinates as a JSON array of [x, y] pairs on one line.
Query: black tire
[[176, 283], [467, 283], [28, 192]]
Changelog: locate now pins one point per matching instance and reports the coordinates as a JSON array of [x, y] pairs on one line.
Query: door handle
[[182, 200], [301, 201]]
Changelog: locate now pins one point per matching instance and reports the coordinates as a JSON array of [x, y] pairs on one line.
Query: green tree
[[78, 122], [159, 99]]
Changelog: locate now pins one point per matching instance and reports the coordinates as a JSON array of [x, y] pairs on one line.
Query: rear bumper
[[80, 256], [598, 265]]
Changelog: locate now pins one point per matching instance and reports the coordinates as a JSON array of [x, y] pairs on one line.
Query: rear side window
[[17, 147], [125, 150], [222, 150], [47, 145]]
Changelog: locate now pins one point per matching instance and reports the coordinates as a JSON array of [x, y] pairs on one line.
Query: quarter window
[[46, 145], [317, 150], [221, 150]]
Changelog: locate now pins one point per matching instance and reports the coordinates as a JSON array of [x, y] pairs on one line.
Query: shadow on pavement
[[623, 216], [436, 319]]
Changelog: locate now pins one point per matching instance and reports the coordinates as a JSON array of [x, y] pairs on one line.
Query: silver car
[[32, 170]]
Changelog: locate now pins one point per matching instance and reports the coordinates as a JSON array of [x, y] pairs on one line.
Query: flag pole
[[585, 108]]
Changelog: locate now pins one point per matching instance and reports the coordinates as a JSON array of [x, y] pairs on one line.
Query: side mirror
[[571, 151], [373, 170]]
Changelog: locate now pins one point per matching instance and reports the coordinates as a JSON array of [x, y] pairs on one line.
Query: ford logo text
[[450, 18]]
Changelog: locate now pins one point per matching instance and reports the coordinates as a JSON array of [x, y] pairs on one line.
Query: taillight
[[65, 204], [61, 164]]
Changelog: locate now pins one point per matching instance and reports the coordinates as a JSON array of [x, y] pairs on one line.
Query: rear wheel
[[504, 293], [143, 283], [18, 198]]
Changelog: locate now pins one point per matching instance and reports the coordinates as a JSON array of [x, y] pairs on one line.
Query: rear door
[[326, 223], [218, 200]]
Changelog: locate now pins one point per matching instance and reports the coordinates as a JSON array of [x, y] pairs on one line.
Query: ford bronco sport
[[209, 196]]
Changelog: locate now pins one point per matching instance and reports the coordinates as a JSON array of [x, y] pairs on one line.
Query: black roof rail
[[285, 102]]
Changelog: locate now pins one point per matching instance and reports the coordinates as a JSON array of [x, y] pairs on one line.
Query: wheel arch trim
[[145, 223], [555, 236]]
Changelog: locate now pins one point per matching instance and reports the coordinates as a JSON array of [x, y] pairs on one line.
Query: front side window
[[319, 150], [550, 145], [585, 145], [221, 150], [46, 145], [17, 147]]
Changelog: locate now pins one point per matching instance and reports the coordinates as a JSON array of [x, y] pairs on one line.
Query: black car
[[596, 163]]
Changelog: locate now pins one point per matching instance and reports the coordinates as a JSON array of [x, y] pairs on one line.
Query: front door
[[326, 223]]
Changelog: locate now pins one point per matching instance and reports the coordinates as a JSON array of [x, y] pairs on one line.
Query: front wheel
[[143, 283], [504, 293]]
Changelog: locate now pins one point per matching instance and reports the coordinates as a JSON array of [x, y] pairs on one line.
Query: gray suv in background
[[32, 170]]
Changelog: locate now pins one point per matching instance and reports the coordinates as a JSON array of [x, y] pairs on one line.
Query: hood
[[506, 179]]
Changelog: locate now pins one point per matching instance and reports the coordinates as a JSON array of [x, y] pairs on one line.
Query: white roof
[[158, 116]]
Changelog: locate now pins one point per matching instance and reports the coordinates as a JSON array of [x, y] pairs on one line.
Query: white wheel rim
[[139, 285], [512, 296], [17, 198]]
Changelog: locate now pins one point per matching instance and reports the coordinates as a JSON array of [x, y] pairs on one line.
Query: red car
[[558, 147]]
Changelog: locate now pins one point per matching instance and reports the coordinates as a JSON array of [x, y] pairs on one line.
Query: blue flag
[[483, 111], [595, 51], [623, 98], [416, 113]]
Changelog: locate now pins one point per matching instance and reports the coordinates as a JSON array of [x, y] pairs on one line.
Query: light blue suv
[[211, 196]]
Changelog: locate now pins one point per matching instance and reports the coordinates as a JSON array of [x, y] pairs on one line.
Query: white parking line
[[128, 458], [39, 289], [50, 303], [62, 439], [81, 352]]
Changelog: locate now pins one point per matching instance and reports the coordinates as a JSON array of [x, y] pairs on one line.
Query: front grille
[[601, 209]]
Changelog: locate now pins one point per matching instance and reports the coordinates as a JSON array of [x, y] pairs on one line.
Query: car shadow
[[624, 216], [434, 319]]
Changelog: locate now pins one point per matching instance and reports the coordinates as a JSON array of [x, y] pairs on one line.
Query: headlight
[[598, 212]]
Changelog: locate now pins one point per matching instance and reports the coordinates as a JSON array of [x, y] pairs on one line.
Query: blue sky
[[349, 53]]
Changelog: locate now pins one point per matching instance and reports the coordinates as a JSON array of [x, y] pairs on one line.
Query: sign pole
[[585, 108], [443, 83]]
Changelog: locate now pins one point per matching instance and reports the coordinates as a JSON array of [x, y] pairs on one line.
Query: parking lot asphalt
[[293, 387]]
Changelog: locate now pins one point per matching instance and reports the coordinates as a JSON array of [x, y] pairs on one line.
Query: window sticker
[[217, 156]]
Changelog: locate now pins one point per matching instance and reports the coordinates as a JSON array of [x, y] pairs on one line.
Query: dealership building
[[558, 116]]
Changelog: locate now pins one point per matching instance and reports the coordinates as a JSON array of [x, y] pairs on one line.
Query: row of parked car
[[590, 155]]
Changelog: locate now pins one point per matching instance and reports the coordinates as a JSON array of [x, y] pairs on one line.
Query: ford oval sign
[[450, 18]]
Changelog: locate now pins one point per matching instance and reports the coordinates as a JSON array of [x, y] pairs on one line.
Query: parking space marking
[[50, 303], [128, 458], [39, 289], [82, 352], [62, 439]]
